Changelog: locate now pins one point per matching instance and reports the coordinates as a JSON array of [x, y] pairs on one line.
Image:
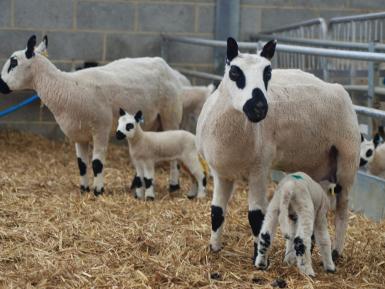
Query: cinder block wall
[[105, 30]]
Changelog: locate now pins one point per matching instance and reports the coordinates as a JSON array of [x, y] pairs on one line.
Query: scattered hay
[[52, 237]]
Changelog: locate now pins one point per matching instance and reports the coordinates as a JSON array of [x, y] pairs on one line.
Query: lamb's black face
[[248, 79]]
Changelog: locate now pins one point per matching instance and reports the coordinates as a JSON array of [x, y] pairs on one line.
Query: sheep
[[300, 205], [148, 148], [193, 99], [285, 119], [86, 102], [372, 154]]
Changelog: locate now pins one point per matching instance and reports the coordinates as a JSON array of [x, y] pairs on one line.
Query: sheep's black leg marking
[[293, 217], [204, 181], [173, 188], [98, 193], [255, 220], [264, 243], [338, 189], [147, 183], [84, 189], [97, 166], [312, 244], [136, 183], [299, 246], [217, 217], [82, 167], [335, 255]]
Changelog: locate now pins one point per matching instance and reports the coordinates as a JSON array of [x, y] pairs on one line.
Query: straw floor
[[53, 237]]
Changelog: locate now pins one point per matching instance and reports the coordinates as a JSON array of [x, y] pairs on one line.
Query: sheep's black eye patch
[[129, 126], [12, 64], [266, 75], [236, 74]]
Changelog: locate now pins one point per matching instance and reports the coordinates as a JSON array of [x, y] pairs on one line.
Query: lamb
[[148, 148], [86, 102], [193, 99], [301, 206], [372, 154], [285, 119]]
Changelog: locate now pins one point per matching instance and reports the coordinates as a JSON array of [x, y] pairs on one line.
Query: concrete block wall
[[105, 30]]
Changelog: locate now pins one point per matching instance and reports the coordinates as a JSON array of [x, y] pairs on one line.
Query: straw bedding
[[53, 237]]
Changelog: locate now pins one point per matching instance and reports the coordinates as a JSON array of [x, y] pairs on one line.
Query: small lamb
[[148, 148], [300, 205]]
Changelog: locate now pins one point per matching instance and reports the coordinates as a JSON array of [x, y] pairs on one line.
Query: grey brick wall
[[105, 30]]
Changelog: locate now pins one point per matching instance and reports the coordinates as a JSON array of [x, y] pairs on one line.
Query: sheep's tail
[[211, 88], [286, 197]]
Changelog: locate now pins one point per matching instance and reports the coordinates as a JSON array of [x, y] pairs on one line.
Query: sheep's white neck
[[50, 84], [136, 137]]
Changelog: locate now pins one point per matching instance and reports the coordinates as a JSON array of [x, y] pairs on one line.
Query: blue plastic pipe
[[18, 106]]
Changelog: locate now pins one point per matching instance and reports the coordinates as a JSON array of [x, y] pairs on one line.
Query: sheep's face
[[246, 79], [16, 73], [366, 151], [128, 124]]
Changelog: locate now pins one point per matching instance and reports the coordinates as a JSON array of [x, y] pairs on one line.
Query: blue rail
[[18, 106]]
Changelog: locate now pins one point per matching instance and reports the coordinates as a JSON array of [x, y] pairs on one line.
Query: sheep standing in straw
[[85, 103], [286, 119], [299, 196], [148, 148]]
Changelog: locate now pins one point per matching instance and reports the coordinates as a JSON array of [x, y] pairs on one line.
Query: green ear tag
[[298, 177]]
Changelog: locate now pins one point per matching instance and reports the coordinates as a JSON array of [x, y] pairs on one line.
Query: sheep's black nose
[[256, 107], [4, 87], [120, 135]]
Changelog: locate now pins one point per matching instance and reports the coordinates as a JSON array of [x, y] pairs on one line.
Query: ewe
[[293, 122], [307, 204], [148, 148], [85, 103]]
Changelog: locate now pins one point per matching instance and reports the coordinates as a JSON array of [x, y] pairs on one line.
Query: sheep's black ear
[[121, 112], [139, 116], [376, 140], [31, 46], [232, 49], [269, 49], [45, 39]]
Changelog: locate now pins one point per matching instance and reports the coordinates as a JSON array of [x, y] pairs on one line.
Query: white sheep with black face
[[372, 155], [148, 148], [293, 122], [85, 103]]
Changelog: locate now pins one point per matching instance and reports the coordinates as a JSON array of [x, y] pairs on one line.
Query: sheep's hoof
[[98, 193], [150, 198], [215, 248], [172, 188], [191, 197], [263, 266], [335, 255], [84, 189], [331, 270]]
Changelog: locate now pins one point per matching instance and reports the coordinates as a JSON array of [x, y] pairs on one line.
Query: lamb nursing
[[148, 148], [300, 205]]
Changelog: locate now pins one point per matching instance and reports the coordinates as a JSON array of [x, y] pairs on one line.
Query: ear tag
[[204, 165], [45, 53]]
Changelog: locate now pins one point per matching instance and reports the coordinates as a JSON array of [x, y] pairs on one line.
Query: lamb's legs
[[302, 241], [139, 182], [323, 240], [199, 178], [290, 257], [266, 235], [257, 204], [221, 195], [174, 177], [82, 155], [98, 159], [148, 178]]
